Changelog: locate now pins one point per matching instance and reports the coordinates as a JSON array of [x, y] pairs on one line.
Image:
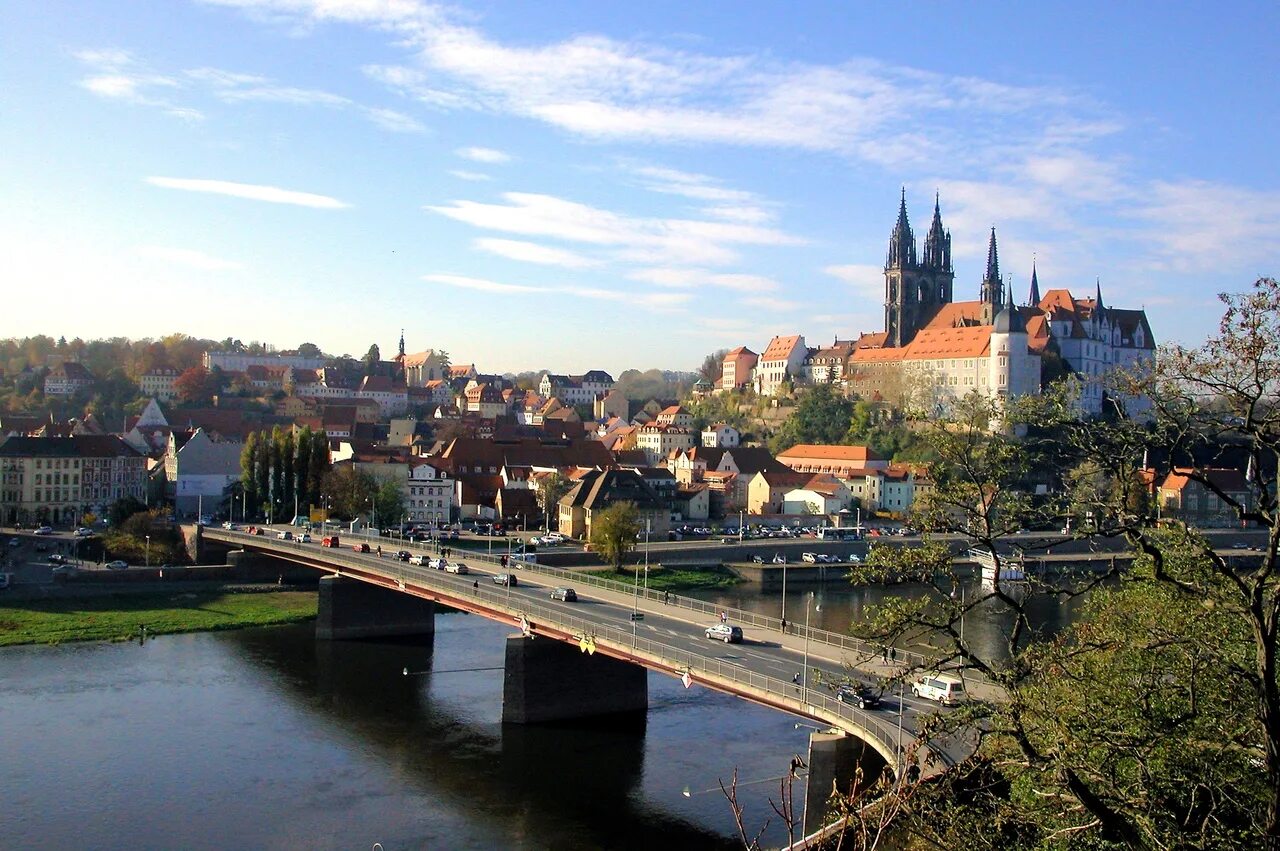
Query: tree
[[192, 386], [614, 530], [822, 416], [371, 360], [317, 466], [122, 509], [349, 491], [389, 501], [310, 350], [712, 368], [289, 382], [248, 472], [549, 492]]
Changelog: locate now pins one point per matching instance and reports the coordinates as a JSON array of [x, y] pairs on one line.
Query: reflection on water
[[268, 739]]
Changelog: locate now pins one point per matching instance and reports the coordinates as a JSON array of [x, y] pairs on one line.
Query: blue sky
[[579, 185]]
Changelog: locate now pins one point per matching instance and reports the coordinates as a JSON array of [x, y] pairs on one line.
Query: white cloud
[[676, 277], [867, 281], [396, 122], [255, 192], [483, 155], [529, 252], [1198, 226], [188, 257], [663, 302], [468, 175], [771, 303], [643, 240]]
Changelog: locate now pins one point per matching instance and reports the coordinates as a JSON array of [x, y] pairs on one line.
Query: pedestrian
[[796, 679], [724, 617], [379, 550], [476, 585], [884, 654], [893, 654]]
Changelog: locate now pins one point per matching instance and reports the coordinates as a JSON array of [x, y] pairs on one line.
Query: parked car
[[456, 567], [724, 632], [117, 565], [863, 697], [360, 548], [567, 595], [507, 579], [83, 532], [44, 530]]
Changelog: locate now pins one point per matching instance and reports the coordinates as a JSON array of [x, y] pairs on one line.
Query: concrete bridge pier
[[548, 680], [349, 608], [834, 760]]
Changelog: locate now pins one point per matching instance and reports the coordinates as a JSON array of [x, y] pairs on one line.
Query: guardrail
[[847, 643], [808, 702]]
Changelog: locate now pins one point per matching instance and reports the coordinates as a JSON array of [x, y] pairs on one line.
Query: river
[[265, 738]]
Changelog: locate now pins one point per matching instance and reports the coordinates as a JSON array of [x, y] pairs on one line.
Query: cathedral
[[934, 348]]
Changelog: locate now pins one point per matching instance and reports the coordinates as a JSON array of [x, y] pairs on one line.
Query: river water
[[265, 738]]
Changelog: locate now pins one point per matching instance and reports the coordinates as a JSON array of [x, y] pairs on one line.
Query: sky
[[578, 185]]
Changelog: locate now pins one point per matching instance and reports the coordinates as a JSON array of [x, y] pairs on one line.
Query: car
[[758, 559], [259, 531], [854, 558], [117, 565], [286, 535], [304, 538], [809, 558], [779, 559], [360, 548], [402, 555], [438, 563], [419, 559], [567, 595], [65, 570], [507, 579], [863, 697], [14, 542], [44, 530], [1238, 545], [823, 558], [83, 532], [553, 538], [330, 541], [57, 558], [724, 632], [456, 567], [947, 689]]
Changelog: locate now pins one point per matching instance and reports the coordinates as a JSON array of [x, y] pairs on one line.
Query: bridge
[[580, 659]]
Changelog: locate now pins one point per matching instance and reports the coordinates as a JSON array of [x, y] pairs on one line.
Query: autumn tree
[[549, 492], [193, 386]]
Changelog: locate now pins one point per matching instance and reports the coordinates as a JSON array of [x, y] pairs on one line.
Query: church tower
[[914, 288], [992, 292]]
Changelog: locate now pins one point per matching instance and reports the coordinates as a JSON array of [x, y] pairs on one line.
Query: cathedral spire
[[902, 242], [1097, 298], [1033, 300], [993, 260], [992, 291], [937, 245], [402, 342]]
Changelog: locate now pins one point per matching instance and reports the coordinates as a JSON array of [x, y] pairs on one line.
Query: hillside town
[[456, 444]]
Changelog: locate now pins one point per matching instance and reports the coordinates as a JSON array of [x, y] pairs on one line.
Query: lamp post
[[805, 676], [962, 608], [740, 514], [784, 593], [647, 522], [148, 537]]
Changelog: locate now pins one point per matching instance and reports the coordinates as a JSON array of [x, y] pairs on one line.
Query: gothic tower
[[914, 288], [992, 291]]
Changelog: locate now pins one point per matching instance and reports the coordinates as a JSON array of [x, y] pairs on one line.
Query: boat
[[1011, 567]]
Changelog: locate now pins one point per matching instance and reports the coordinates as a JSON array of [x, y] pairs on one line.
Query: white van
[[947, 689]]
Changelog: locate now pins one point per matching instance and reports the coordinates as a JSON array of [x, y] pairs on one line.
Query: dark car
[[508, 579], [56, 558], [862, 697], [402, 555], [568, 595], [360, 548]]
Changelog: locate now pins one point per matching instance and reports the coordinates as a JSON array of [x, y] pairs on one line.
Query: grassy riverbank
[[118, 617], [674, 579]]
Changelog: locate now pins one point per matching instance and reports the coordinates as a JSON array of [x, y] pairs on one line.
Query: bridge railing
[[812, 702], [856, 647]]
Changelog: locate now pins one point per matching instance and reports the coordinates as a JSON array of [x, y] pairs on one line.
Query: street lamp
[[808, 604], [148, 537], [784, 593], [647, 522]]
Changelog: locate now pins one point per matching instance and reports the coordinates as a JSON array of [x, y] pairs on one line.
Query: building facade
[[58, 480]]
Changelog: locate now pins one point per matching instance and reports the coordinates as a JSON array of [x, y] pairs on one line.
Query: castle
[[933, 348]]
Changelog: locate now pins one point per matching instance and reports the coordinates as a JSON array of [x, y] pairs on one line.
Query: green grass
[[118, 617], [674, 579]]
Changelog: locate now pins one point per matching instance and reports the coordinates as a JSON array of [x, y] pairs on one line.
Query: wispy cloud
[[474, 176], [118, 76], [484, 155], [867, 281], [393, 121], [529, 252], [676, 277], [1197, 225], [635, 239], [663, 302], [188, 257], [251, 191]]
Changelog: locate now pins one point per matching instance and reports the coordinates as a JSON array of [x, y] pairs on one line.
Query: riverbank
[[116, 617], [674, 579]]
